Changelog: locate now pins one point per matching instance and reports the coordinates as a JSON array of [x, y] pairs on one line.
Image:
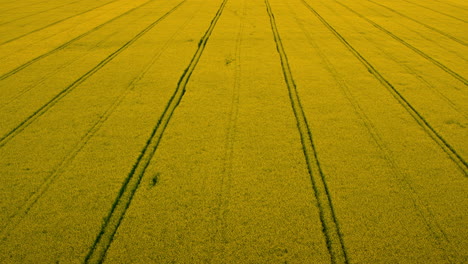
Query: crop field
[[234, 131]]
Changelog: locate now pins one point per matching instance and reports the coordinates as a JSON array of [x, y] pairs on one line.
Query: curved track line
[[328, 218], [99, 249], [451, 152], [56, 22], [421, 53], [422, 24], [436, 11], [25, 65], [16, 218], [15, 131]]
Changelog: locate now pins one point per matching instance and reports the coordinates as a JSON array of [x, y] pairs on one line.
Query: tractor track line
[[418, 51], [452, 4], [52, 73], [15, 131], [415, 32], [420, 206], [330, 226], [64, 45], [27, 5], [57, 22], [418, 76], [422, 24], [451, 152], [222, 211], [40, 12], [16, 218], [436, 11], [117, 212]]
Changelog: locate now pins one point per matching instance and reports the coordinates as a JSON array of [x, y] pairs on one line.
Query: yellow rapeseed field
[[234, 131]]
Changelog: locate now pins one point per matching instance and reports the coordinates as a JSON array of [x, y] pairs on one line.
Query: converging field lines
[[232, 131]]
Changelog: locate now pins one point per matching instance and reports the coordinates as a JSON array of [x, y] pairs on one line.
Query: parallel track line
[[420, 23], [413, 72], [227, 171], [420, 206], [56, 22], [44, 108], [40, 12], [16, 218], [27, 4], [117, 212], [66, 44], [451, 4], [424, 36], [330, 226], [418, 51], [50, 74], [451, 152], [436, 11]]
